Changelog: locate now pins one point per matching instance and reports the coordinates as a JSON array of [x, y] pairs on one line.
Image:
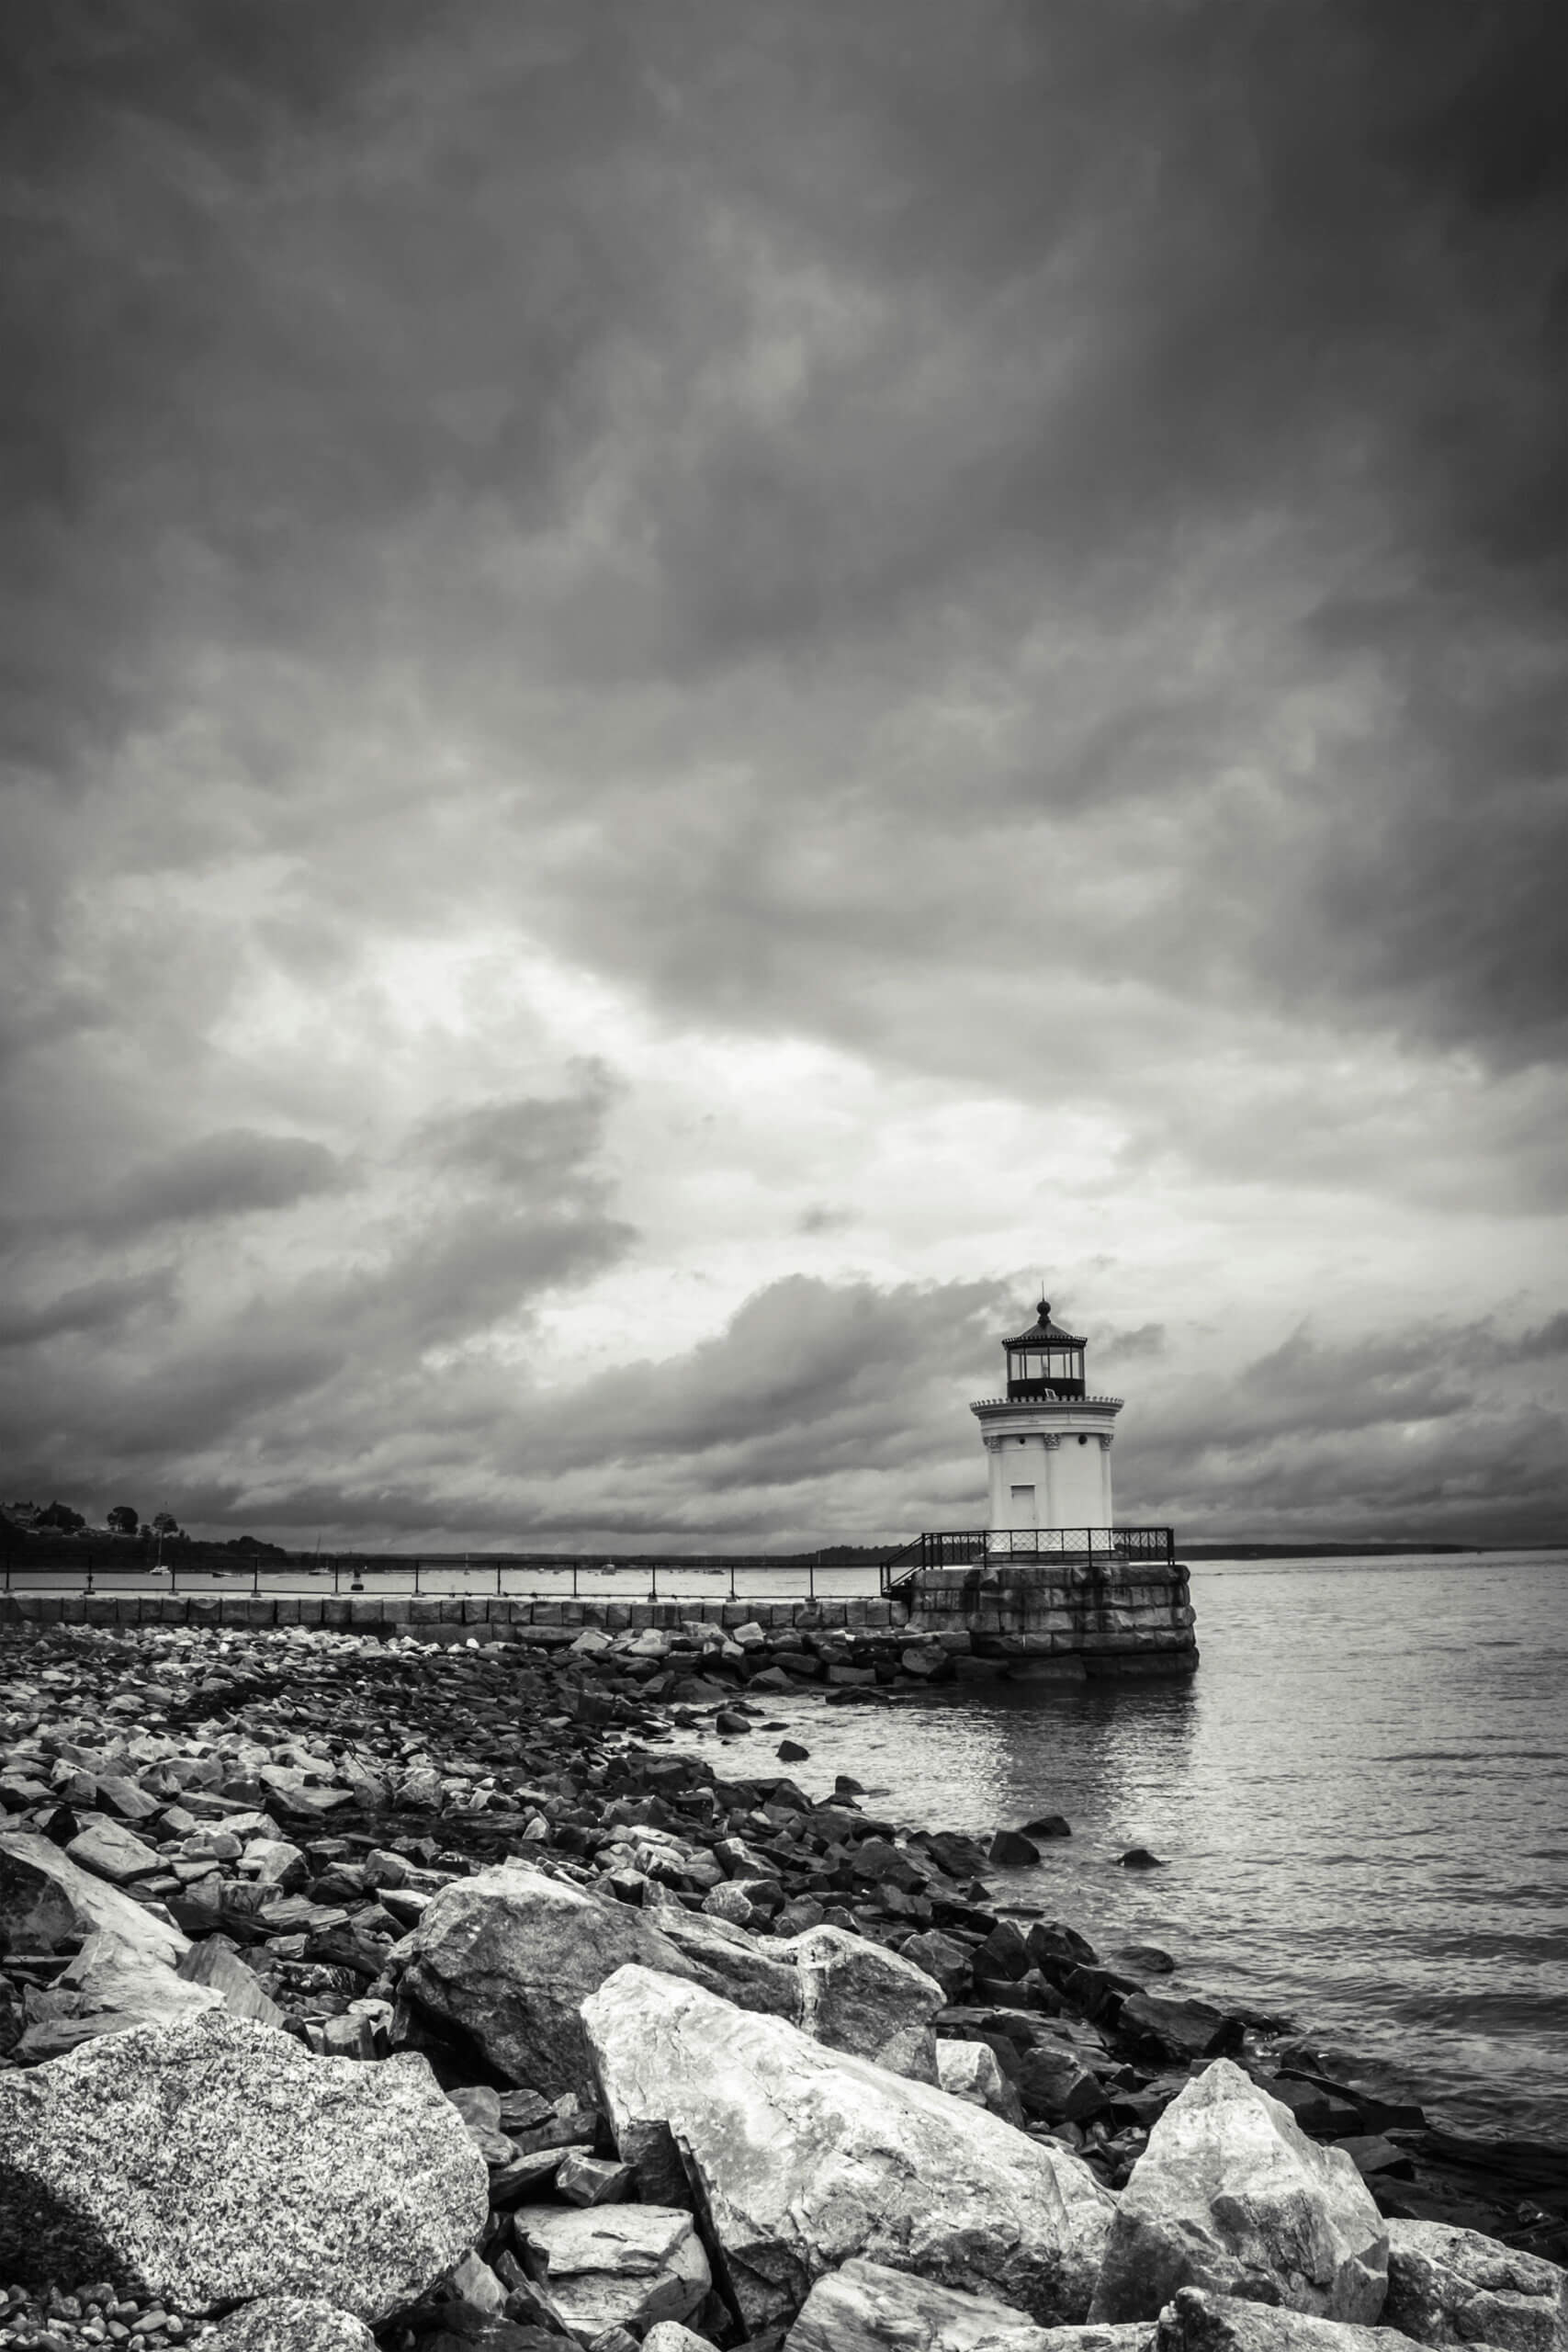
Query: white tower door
[[1025, 1510]]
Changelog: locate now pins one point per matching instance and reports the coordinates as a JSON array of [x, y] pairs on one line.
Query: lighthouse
[[1048, 1441]]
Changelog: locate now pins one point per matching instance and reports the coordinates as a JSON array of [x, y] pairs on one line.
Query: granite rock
[[856, 1995], [111, 1850], [215, 2160], [1450, 2286], [733, 1963], [617, 2266], [510, 1955], [1196, 2322], [45, 1898], [124, 1984], [866, 2307], [972, 2070], [290, 2323], [804, 2156], [1231, 2196]]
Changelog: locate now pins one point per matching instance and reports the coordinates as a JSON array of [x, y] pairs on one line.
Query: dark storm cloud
[[1427, 1428], [337, 1353], [1072, 291], [508, 1143], [241, 1173], [90, 1307], [804, 1373]]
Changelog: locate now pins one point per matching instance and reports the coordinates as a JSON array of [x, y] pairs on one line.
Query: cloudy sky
[[694, 688]]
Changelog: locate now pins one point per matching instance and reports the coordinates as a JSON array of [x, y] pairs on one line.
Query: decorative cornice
[[1055, 1409]]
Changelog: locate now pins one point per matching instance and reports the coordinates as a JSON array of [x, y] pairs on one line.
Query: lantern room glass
[[1045, 1372]]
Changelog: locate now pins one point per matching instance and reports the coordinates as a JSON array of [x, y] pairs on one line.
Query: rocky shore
[[357, 1989]]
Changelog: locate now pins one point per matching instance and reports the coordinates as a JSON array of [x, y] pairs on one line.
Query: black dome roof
[[1046, 1334]]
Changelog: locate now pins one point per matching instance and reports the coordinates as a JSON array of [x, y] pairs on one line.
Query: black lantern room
[[1045, 1360]]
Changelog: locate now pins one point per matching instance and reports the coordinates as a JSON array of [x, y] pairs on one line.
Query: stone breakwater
[[354, 1990], [1057, 1618]]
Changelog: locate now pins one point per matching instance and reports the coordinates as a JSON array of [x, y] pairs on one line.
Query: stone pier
[[1056, 1618]]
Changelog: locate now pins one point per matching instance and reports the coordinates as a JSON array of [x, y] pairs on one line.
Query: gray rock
[[592, 2180], [1056, 2087], [943, 1957], [865, 2307], [618, 2266], [215, 1962], [510, 1955], [290, 2323], [124, 1984], [731, 1962], [111, 1850], [1196, 2322], [46, 1899], [215, 2161], [1449, 2286], [273, 1861], [856, 1995], [671, 2336], [911, 2054], [1231, 2196], [805, 2156], [473, 2282], [972, 2070]]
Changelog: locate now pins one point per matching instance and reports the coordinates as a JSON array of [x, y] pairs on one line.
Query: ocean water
[[1360, 1802]]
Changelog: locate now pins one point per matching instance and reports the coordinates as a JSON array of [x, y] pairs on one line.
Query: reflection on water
[[1361, 1802]]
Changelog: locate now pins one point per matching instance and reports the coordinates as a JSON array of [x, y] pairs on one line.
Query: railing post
[[811, 1580], [416, 1576], [574, 1579], [653, 1580]]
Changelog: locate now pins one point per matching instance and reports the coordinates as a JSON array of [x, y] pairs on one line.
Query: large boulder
[[1449, 2286], [857, 1995], [1231, 2196], [617, 2266], [1196, 2322], [290, 2323], [509, 1957], [214, 2161], [865, 2307], [803, 2156]]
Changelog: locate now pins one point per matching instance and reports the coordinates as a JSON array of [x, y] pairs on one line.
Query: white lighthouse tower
[[1048, 1442]]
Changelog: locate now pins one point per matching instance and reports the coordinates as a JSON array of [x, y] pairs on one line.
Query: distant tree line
[[125, 1522]]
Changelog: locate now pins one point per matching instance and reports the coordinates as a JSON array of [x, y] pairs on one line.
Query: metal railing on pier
[[977, 1547], [554, 1576]]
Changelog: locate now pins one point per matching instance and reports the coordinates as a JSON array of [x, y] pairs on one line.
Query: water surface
[[1361, 1801]]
